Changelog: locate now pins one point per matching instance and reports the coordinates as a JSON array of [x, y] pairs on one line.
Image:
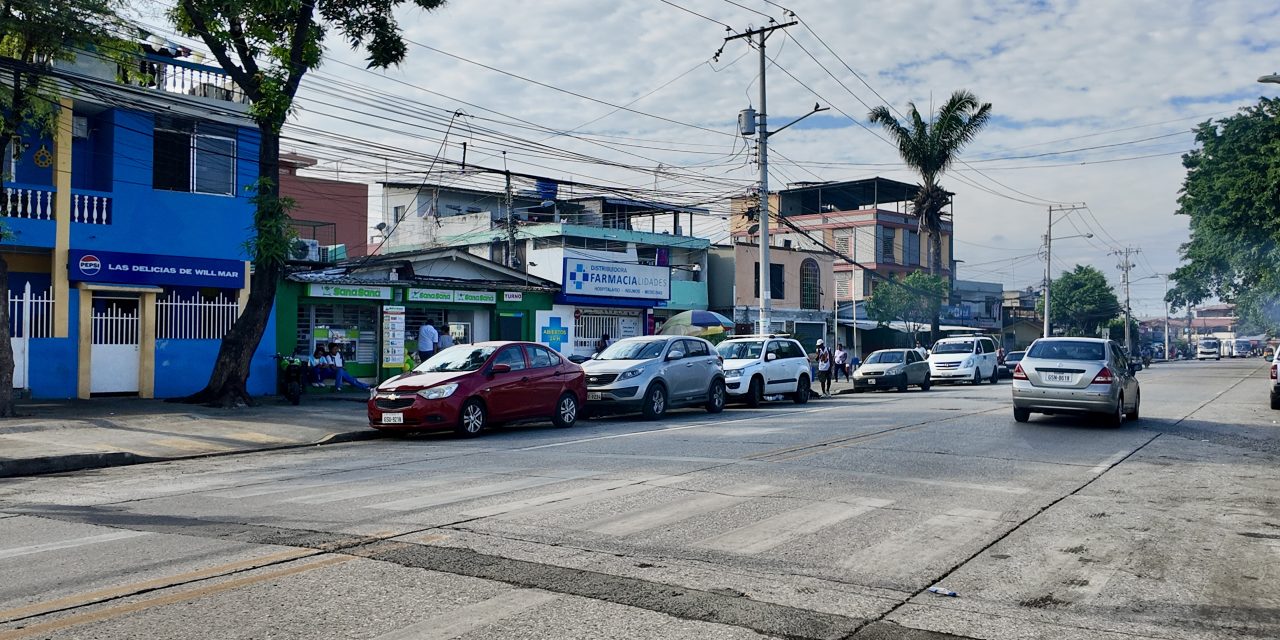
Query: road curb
[[45, 465]]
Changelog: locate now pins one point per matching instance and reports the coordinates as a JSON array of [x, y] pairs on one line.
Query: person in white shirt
[[427, 339], [321, 366], [446, 340], [340, 374], [823, 356]]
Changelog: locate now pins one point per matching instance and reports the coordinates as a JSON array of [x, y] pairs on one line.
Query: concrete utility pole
[[1125, 267], [762, 140], [1166, 314]]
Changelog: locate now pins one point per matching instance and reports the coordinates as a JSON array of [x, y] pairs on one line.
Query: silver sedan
[[1076, 375]]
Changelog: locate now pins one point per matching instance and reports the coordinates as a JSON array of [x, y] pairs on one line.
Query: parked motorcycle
[[290, 374]]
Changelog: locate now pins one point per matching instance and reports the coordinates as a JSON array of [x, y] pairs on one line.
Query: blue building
[[126, 231]]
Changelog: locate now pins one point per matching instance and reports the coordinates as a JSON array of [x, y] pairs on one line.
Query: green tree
[[913, 300], [1231, 194], [930, 147], [1082, 301], [35, 34], [267, 46]]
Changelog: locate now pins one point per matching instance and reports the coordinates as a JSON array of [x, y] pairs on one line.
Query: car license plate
[[393, 418], [1058, 377], [871, 380], [593, 395]]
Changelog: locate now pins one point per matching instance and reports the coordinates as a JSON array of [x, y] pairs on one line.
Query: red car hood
[[414, 381]]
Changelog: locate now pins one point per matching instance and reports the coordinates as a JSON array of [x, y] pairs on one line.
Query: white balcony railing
[[37, 203]]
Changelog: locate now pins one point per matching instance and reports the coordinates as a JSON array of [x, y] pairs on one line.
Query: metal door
[[20, 335], [115, 354]]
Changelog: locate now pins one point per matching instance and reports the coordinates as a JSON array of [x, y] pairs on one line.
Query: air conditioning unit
[[305, 249]]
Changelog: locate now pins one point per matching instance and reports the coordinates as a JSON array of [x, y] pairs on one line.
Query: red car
[[465, 387]]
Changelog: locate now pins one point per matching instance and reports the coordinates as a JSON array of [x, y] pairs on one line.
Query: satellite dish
[[381, 226]]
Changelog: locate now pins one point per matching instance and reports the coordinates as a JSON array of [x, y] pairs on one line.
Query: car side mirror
[[770, 357], [1133, 368], [499, 368], [675, 355]]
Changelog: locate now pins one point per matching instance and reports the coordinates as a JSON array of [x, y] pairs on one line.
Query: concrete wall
[[345, 204]]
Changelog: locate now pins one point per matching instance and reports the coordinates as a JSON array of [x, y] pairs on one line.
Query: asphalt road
[[827, 520]]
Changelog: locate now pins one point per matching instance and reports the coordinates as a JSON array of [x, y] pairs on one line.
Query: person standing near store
[[823, 356], [427, 339], [842, 363]]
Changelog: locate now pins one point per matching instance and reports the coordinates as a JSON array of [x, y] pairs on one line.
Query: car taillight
[[1019, 374], [1103, 377], [1273, 372]]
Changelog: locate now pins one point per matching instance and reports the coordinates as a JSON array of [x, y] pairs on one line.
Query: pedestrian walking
[[842, 363], [824, 368], [427, 339]]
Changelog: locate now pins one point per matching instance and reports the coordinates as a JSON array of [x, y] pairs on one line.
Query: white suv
[[961, 358], [756, 367]]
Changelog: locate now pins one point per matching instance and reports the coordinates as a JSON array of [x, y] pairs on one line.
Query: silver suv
[[653, 374], [756, 367]]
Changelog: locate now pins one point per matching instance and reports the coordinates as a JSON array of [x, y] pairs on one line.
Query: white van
[[964, 358], [1208, 348]]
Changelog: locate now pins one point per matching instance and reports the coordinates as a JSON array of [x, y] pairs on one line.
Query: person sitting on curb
[[321, 366], [340, 373]]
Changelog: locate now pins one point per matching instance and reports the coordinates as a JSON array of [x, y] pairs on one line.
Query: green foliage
[[1080, 301], [1232, 196], [914, 300]]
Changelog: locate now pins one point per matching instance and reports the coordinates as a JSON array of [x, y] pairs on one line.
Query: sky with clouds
[[1093, 102]]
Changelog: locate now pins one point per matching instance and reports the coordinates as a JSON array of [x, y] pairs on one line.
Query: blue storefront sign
[[144, 268], [599, 279]]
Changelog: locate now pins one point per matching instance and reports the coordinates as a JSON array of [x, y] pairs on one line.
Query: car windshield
[[460, 358], [954, 347], [633, 350], [1015, 356], [885, 357], [1067, 350], [740, 350], [1209, 344]]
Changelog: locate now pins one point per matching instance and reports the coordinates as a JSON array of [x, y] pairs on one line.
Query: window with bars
[[193, 157], [810, 285], [844, 285], [359, 325], [884, 250], [842, 244]]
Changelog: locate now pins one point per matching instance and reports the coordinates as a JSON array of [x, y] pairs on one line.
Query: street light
[[1048, 267], [1273, 78]]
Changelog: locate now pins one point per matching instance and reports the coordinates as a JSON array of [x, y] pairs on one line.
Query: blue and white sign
[[616, 280], [144, 268]]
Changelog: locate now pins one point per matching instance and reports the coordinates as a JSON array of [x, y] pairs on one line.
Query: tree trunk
[[6, 344], [227, 385]]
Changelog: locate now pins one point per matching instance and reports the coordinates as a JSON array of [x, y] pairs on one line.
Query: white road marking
[[631, 489], [466, 493], [69, 544], [698, 425], [472, 617], [668, 513], [941, 483], [784, 527], [915, 547], [590, 491], [1109, 462], [334, 495]]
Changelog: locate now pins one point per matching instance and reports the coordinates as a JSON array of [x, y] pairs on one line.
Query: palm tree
[[930, 148]]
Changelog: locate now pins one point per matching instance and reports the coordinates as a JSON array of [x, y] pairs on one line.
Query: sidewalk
[[70, 435]]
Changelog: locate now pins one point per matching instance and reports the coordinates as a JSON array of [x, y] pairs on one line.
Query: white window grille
[[195, 317], [40, 308]]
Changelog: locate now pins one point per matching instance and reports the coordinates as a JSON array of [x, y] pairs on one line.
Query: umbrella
[[695, 318]]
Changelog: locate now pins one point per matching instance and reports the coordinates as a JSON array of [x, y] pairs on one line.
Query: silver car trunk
[[1075, 366]]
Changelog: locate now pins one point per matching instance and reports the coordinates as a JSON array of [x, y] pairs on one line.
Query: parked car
[[892, 369], [1268, 353], [1076, 375], [961, 358], [1011, 360], [465, 387], [1275, 386], [756, 367], [655, 373]]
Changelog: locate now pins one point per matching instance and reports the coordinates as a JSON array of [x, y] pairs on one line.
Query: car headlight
[[373, 392], [733, 373], [968, 362], [442, 391], [630, 373], [893, 371]]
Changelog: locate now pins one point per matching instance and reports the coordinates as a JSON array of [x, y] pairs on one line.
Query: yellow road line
[[172, 598]]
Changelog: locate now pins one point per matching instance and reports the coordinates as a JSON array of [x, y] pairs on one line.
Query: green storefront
[[376, 322]]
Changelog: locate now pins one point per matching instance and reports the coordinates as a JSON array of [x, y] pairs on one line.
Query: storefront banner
[[451, 295], [366, 292], [513, 296], [555, 328], [616, 280], [143, 268], [393, 337]]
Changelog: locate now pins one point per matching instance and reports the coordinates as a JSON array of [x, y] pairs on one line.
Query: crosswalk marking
[[465, 493], [471, 617], [68, 544], [670, 513], [926, 542], [347, 493], [784, 527], [587, 498]]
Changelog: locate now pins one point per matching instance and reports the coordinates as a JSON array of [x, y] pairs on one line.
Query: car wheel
[[1275, 401], [655, 402], [1116, 417], [1137, 400], [995, 376], [1021, 415], [755, 392], [566, 411], [801, 395], [924, 386], [472, 419], [977, 377], [902, 388], [715, 397]]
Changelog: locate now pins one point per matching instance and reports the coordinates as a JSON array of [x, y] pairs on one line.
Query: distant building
[[801, 286], [976, 304], [331, 217]]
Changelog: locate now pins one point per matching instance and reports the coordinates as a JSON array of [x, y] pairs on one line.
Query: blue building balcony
[[31, 210]]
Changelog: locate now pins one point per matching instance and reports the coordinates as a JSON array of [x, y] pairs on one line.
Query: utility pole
[[762, 140], [1125, 267], [511, 222], [1166, 314], [1048, 258]]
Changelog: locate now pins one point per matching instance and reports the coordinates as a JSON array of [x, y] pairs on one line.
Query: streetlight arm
[[816, 109]]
